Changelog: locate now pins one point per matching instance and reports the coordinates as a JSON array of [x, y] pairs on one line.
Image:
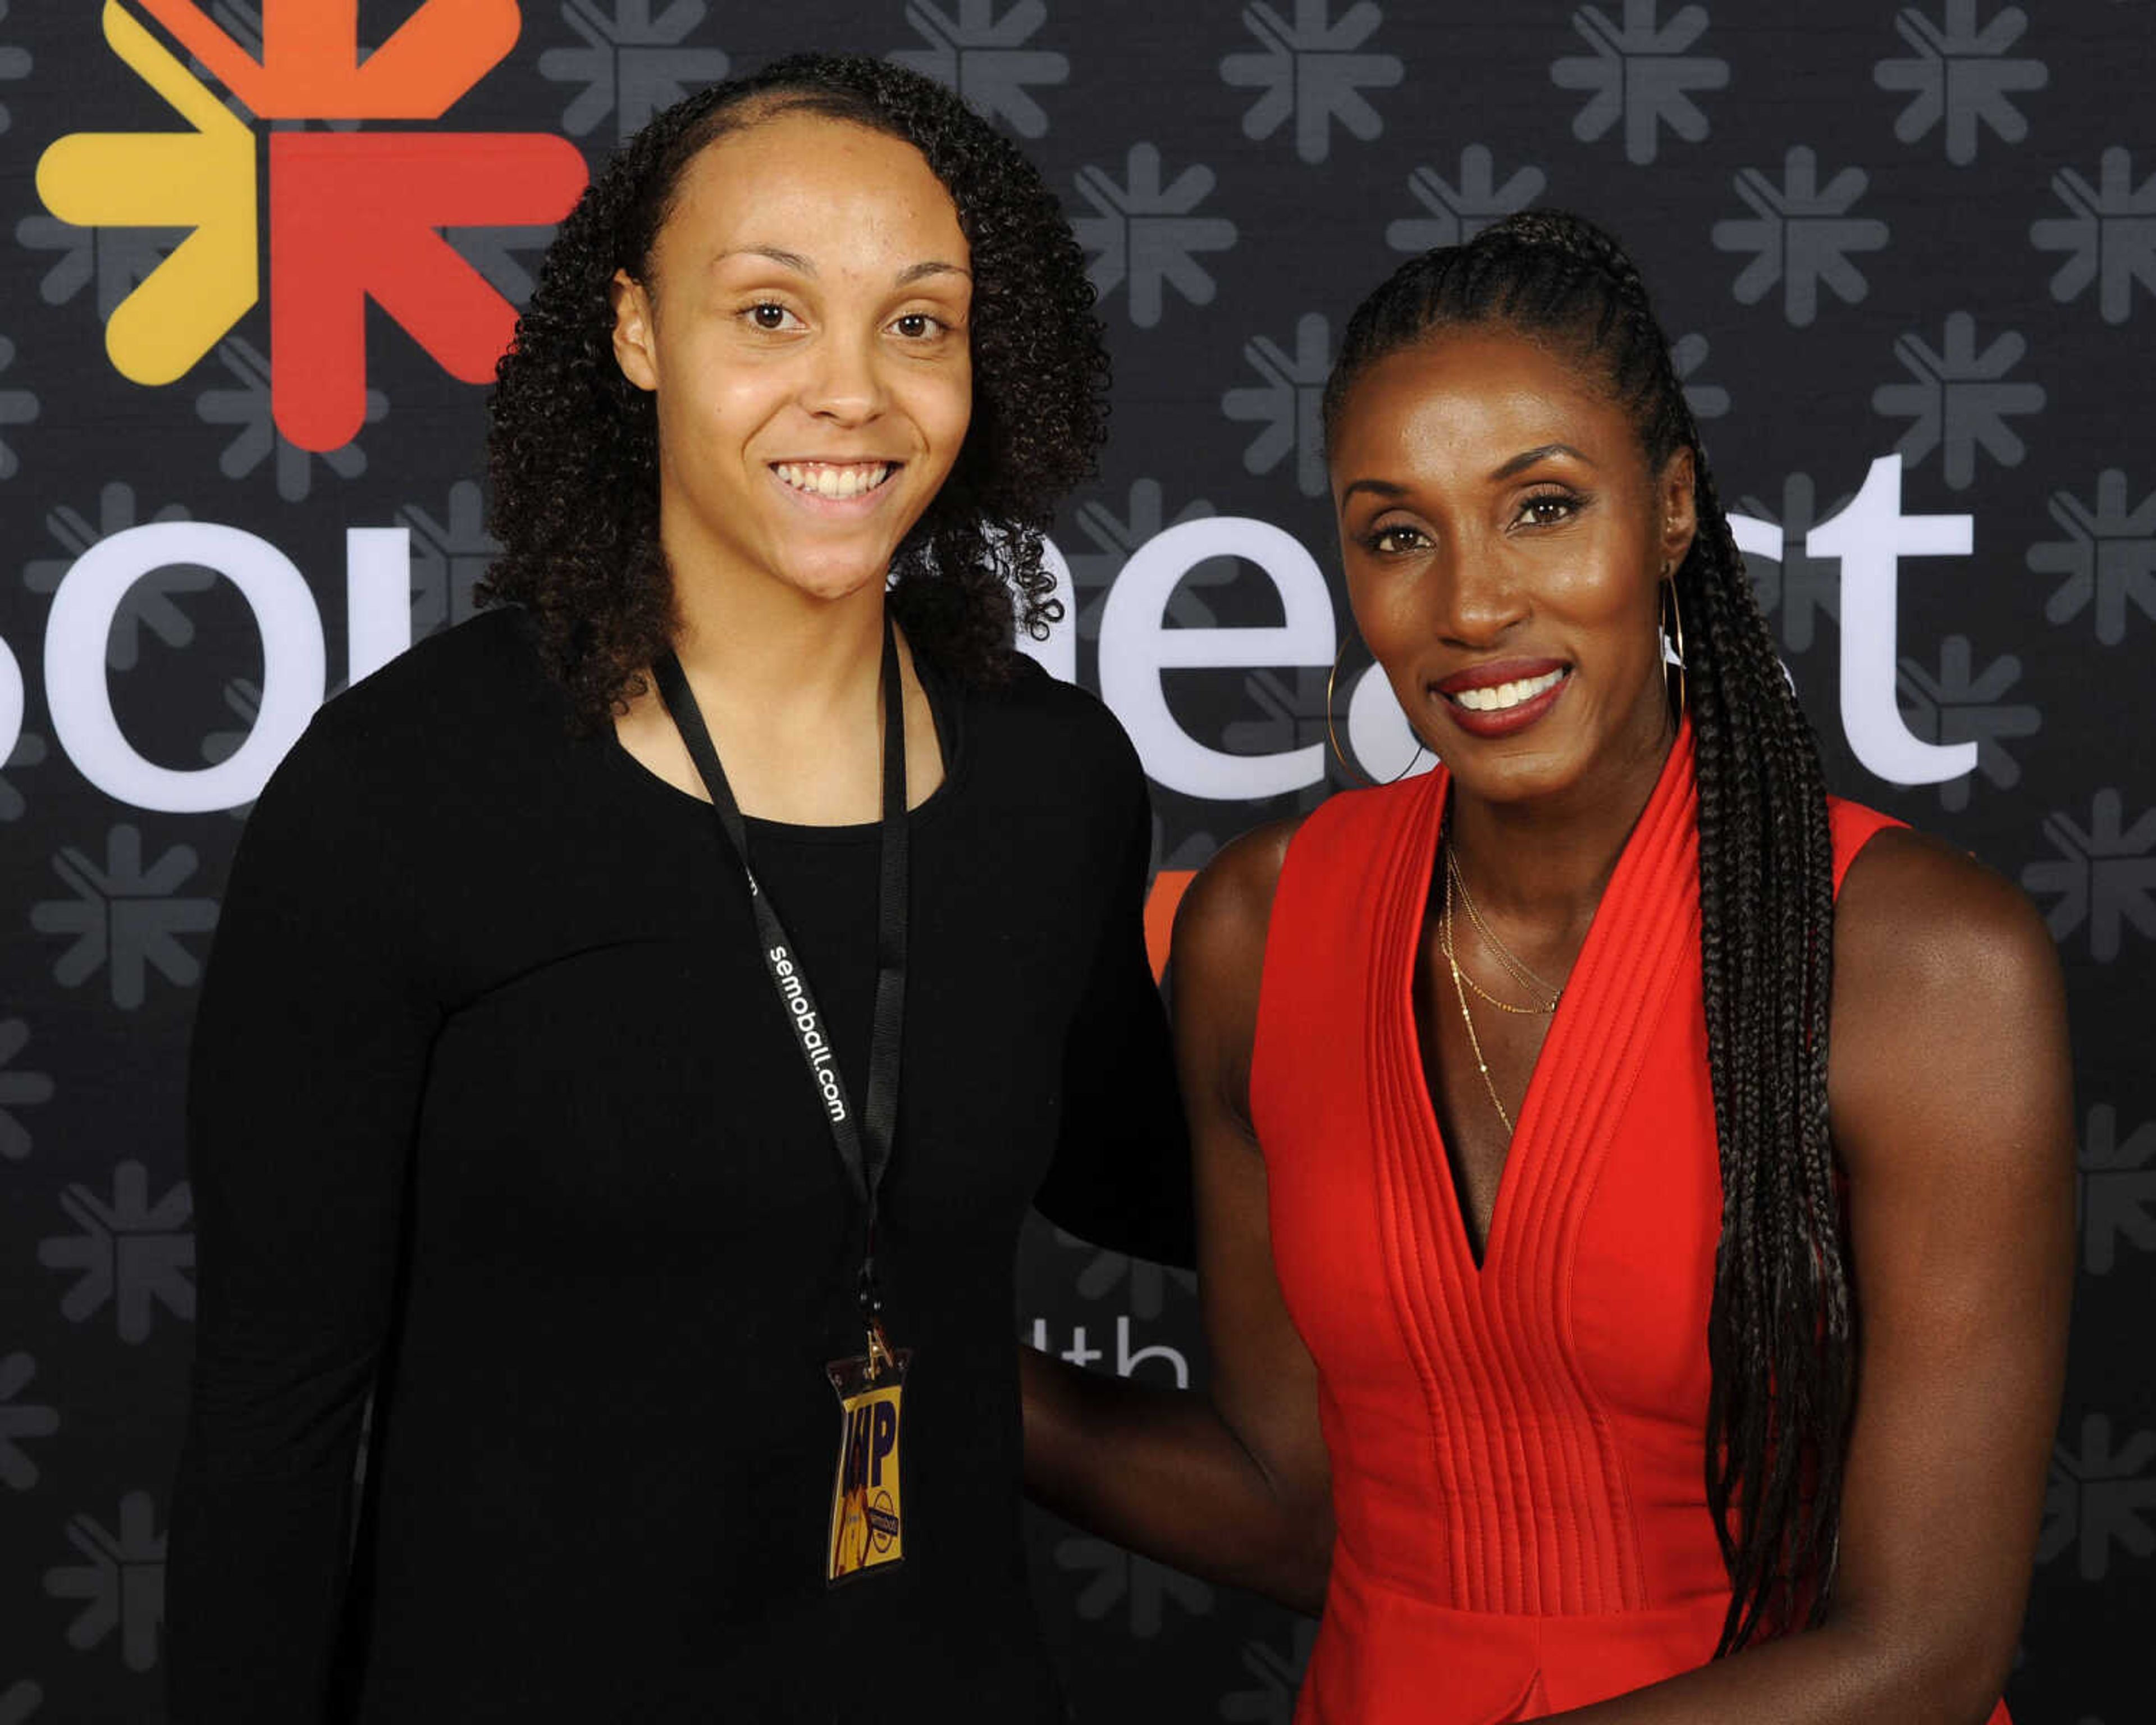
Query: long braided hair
[[1779, 1336]]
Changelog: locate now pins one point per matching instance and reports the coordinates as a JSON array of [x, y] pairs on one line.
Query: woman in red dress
[[1636, 1187]]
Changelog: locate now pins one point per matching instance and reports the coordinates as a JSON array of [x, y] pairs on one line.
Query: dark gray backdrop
[[1928, 231]]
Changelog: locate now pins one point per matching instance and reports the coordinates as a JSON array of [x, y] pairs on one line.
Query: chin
[[1526, 782], [1512, 770], [832, 583]]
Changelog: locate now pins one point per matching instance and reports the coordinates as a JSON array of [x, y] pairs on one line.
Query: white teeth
[[1496, 697], [825, 480]]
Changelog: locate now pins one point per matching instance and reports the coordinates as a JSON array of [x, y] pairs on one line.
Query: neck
[[1545, 860], [763, 649]]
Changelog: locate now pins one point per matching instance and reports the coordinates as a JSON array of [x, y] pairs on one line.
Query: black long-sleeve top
[[493, 1117]]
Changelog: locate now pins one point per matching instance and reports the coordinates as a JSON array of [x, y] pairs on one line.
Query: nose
[[1477, 593], [843, 384]]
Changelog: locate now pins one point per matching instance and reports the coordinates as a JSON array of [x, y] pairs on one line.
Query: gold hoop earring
[[1670, 630], [1332, 737]]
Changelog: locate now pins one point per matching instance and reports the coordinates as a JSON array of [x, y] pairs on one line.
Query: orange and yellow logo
[[352, 216]]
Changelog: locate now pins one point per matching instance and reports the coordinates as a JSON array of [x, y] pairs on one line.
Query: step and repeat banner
[[257, 258]]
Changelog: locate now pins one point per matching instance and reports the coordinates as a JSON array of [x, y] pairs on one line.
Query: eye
[[767, 315], [1394, 539], [1546, 508], [919, 325]]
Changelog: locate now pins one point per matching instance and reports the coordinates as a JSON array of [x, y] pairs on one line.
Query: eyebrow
[[1389, 489], [1375, 487], [777, 254], [1528, 457], [806, 266], [933, 266]]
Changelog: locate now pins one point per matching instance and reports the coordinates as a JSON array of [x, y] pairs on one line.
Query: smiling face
[[1504, 536], [804, 331]]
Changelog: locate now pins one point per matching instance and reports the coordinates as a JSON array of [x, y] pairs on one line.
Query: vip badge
[[868, 1530]]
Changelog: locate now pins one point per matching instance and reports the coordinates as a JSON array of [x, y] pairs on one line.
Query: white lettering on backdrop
[[1869, 538]]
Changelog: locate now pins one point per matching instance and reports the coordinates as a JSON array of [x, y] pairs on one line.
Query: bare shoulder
[[1921, 924], [1948, 1031], [1220, 925], [1216, 967]]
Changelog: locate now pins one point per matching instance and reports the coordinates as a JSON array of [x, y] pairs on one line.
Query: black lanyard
[[863, 1144]]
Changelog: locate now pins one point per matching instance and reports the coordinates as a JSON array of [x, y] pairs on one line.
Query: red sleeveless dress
[[1517, 1448]]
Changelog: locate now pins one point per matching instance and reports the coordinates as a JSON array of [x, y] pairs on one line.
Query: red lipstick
[[1488, 723]]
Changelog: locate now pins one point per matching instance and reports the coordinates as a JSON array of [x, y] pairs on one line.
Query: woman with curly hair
[[642, 1016], [1635, 1187]]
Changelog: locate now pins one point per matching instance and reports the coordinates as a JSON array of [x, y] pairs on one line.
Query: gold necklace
[[1445, 945], [1474, 1041], [1514, 967]]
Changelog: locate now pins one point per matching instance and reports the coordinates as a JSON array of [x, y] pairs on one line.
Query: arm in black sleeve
[[1122, 1174], [309, 1047]]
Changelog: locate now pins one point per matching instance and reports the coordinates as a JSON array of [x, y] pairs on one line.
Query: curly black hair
[[572, 446], [1781, 1332]]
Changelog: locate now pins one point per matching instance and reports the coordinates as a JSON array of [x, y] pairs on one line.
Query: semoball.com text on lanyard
[[867, 1526]]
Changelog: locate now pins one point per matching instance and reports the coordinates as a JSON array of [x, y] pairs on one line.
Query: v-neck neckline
[[1526, 1137]]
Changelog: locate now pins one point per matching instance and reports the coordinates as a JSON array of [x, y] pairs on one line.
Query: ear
[[1677, 497], [635, 331]]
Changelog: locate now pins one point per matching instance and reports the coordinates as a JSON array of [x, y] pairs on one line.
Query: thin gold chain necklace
[[1513, 968], [1474, 1042]]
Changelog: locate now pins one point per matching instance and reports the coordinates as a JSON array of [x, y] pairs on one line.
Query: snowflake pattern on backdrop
[[21, 1420], [1687, 358], [1801, 235], [1961, 74], [1312, 70], [2108, 557], [129, 1254], [1283, 710], [1960, 399], [15, 64], [1958, 703], [31, 750], [1144, 1588], [1799, 589], [121, 1581], [2109, 239], [499, 255], [2100, 1496], [152, 603], [124, 918], [2117, 1186], [450, 556], [1287, 404], [1276, 1671], [1639, 71], [985, 58], [19, 1088], [631, 62], [1147, 235], [18, 407], [246, 405], [1457, 210], [1114, 540], [2103, 877], [114, 260]]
